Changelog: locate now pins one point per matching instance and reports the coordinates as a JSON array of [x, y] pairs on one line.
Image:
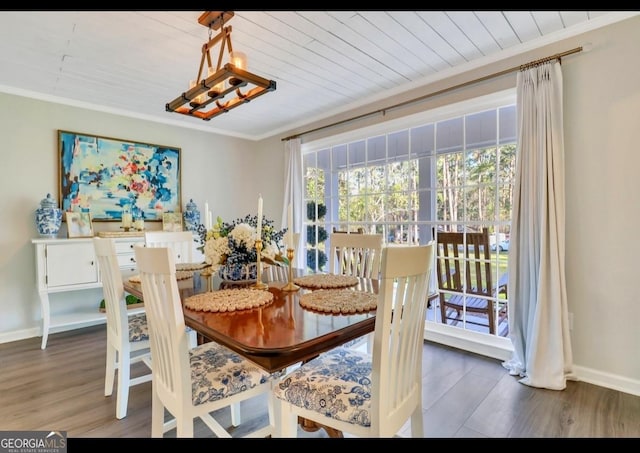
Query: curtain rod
[[530, 64]]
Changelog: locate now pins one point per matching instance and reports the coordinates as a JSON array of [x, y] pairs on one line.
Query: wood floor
[[465, 395]]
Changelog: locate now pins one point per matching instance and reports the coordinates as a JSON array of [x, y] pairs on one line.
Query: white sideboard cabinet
[[64, 265]]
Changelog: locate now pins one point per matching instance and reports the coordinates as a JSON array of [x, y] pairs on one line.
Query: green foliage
[[311, 210], [130, 299], [311, 259], [311, 234]]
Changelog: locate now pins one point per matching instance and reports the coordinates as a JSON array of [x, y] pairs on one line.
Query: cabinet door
[[71, 264]]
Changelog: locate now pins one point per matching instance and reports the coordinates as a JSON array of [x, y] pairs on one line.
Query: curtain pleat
[[538, 312], [293, 193]]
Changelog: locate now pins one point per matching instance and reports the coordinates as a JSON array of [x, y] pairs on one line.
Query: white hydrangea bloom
[[270, 251], [244, 233], [215, 249]]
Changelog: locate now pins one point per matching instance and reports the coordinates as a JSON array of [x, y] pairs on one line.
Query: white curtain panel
[[538, 313], [294, 194]]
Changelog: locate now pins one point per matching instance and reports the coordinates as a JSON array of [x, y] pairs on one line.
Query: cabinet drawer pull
[[133, 260]]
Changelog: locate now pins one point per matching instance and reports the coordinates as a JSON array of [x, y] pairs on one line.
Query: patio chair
[[471, 292]]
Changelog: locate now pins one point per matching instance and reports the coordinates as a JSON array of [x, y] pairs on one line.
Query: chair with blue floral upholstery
[[362, 394], [191, 383], [127, 336]]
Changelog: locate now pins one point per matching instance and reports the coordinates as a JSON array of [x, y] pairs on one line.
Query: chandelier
[[224, 87]]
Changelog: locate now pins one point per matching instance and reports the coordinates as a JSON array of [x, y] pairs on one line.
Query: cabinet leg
[[46, 318]]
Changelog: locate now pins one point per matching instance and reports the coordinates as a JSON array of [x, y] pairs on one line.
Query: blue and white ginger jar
[[191, 216], [48, 217]]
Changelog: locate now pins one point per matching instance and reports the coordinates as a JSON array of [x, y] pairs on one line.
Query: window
[[455, 173]]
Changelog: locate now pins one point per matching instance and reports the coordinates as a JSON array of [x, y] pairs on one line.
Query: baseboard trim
[[16, 335], [24, 334], [608, 380], [501, 349]]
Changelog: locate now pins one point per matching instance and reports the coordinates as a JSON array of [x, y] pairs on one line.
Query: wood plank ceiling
[[324, 62]]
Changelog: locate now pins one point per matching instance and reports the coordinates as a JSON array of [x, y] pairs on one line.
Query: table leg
[[311, 427]]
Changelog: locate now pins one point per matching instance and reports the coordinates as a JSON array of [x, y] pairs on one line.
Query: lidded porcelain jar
[[48, 217], [191, 216]]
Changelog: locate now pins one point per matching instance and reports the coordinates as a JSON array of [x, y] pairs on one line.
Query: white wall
[[602, 111], [227, 172], [602, 125]]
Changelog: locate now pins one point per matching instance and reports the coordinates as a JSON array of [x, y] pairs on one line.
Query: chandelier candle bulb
[[238, 59]]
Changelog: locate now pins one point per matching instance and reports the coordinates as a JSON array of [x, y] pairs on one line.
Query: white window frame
[[490, 345]]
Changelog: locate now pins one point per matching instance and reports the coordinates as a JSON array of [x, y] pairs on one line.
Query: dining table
[[277, 335]]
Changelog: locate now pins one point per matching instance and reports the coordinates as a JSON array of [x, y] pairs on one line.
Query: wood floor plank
[[464, 395]]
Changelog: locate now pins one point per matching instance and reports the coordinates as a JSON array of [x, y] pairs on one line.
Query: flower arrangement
[[234, 243]]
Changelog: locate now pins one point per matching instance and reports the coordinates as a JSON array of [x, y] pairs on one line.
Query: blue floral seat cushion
[[138, 330], [336, 384], [217, 372]]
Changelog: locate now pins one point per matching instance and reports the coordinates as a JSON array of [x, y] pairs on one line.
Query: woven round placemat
[[191, 266], [326, 281], [228, 300], [180, 275], [345, 301]]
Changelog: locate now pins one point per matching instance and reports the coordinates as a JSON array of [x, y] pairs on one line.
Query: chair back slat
[[112, 288], [399, 335], [358, 255], [181, 242], [465, 280], [168, 336]]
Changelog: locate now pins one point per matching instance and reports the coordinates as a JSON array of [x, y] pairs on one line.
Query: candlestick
[[207, 220], [290, 286], [290, 225], [259, 284], [139, 224], [126, 220], [207, 274], [259, 226]]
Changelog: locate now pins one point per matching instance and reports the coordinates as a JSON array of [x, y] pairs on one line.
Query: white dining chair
[[280, 273], [181, 242], [355, 254], [127, 336], [191, 383], [358, 255], [369, 395]]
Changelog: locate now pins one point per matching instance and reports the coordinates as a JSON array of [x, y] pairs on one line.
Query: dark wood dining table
[[279, 334]]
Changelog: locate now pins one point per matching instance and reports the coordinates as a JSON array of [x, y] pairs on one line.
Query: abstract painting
[[107, 176]]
